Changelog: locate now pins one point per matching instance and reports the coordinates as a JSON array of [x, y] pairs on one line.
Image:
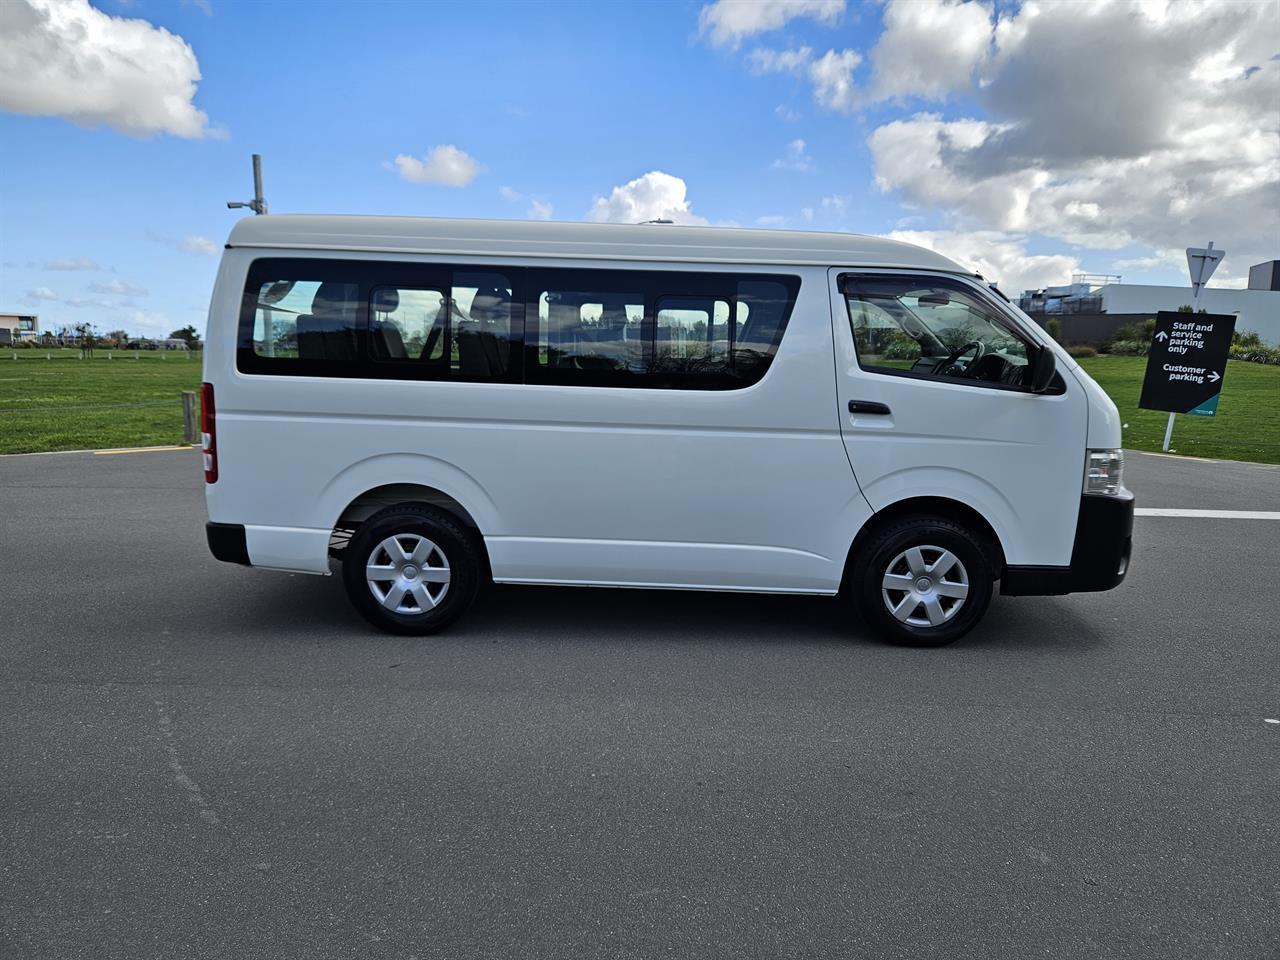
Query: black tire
[[416, 524], [883, 553]]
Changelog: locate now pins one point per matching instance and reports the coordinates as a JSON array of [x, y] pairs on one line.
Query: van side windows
[[935, 328], [407, 320], [655, 329], [406, 323], [485, 328], [591, 329], [764, 306], [304, 319], [693, 335]]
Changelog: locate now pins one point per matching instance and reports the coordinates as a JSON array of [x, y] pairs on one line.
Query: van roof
[[592, 241]]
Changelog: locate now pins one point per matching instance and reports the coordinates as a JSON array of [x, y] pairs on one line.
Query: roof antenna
[[258, 204]]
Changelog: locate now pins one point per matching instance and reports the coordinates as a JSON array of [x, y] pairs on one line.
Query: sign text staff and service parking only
[[1187, 361]]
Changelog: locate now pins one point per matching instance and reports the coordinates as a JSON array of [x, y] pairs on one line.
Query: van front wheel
[[411, 569], [922, 581]]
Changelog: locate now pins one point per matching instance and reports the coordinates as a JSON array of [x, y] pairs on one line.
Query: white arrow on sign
[[1213, 376], [1162, 336]]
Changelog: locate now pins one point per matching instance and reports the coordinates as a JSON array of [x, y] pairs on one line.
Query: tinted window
[[485, 328], [392, 320], [935, 328], [421, 321], [592, 328], [406, 323], [307, 319], [665, 330], [466, 328]]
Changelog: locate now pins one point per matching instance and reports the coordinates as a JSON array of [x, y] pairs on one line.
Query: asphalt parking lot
[[205, 761]]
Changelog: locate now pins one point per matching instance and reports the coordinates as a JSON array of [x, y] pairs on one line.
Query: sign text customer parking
[[1187, 361]]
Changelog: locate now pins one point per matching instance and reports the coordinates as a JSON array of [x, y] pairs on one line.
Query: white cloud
[[784, 112], [120, 287], [771, 221], [1169, 138], [998, 257], [831, 74], [65, 58], [152, 324], [445, 165], [538, 209], [654, 196], [930, 49], [796, 159], [765, 60], [45, 295], [832, 77], [728, 22], [74, 263], [835, 206], [194, 243]]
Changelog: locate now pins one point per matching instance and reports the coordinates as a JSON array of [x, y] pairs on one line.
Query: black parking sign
[[1187, 362]]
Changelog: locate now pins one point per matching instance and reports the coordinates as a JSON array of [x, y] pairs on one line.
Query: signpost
[[1188, 354]]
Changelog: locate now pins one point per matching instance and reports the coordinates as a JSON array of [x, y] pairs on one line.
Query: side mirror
[[1043, 367]]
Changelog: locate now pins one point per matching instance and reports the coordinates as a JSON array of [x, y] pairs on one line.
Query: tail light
[[208, 434]]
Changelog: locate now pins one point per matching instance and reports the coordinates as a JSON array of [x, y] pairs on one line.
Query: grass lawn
[[66, 403], [70, 404], [1247, 426]]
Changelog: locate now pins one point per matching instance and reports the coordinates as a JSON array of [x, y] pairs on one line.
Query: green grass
[[1247, 426], [60, 403]]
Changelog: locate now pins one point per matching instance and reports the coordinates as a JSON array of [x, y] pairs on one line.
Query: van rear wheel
[[411, 569], [922, 581]]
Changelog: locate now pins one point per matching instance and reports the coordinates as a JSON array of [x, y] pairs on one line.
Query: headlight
[[1104, 473]]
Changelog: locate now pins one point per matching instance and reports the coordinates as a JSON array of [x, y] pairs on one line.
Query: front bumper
[[1099, 556]]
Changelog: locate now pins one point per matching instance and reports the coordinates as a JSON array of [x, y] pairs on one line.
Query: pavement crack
[[180, 775]]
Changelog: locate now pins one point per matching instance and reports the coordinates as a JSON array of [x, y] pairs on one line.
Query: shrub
[[1082, 350], [1053, 327], [1139, 332], [1246, 339], [1129, 348], [1259, 354], [901, 347]]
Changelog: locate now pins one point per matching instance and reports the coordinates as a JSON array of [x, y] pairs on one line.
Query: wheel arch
[[948, 509]]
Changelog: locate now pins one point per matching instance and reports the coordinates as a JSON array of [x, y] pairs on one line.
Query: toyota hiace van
[[425, 405]]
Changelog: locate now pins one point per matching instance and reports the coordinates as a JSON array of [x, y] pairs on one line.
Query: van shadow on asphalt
[[508, 613]]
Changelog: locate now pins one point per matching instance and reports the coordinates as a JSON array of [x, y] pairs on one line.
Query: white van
[[432, 404]]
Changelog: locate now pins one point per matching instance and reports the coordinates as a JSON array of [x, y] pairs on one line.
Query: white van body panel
[[1014, 457]]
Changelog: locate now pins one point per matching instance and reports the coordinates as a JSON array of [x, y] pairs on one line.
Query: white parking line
[[1209, 514]]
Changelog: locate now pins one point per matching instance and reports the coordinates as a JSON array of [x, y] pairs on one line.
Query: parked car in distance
[[434, 403]]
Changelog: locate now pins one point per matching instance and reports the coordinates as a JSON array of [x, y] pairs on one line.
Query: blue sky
[[928, 119]]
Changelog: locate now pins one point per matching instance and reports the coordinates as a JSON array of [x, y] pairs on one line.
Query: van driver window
[[929, 327]]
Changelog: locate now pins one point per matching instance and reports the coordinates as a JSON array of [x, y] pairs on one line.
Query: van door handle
[[868, 406]]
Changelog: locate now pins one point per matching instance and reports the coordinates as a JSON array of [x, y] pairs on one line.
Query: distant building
[[1265, 276], [1257, 307], [18, 326]]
